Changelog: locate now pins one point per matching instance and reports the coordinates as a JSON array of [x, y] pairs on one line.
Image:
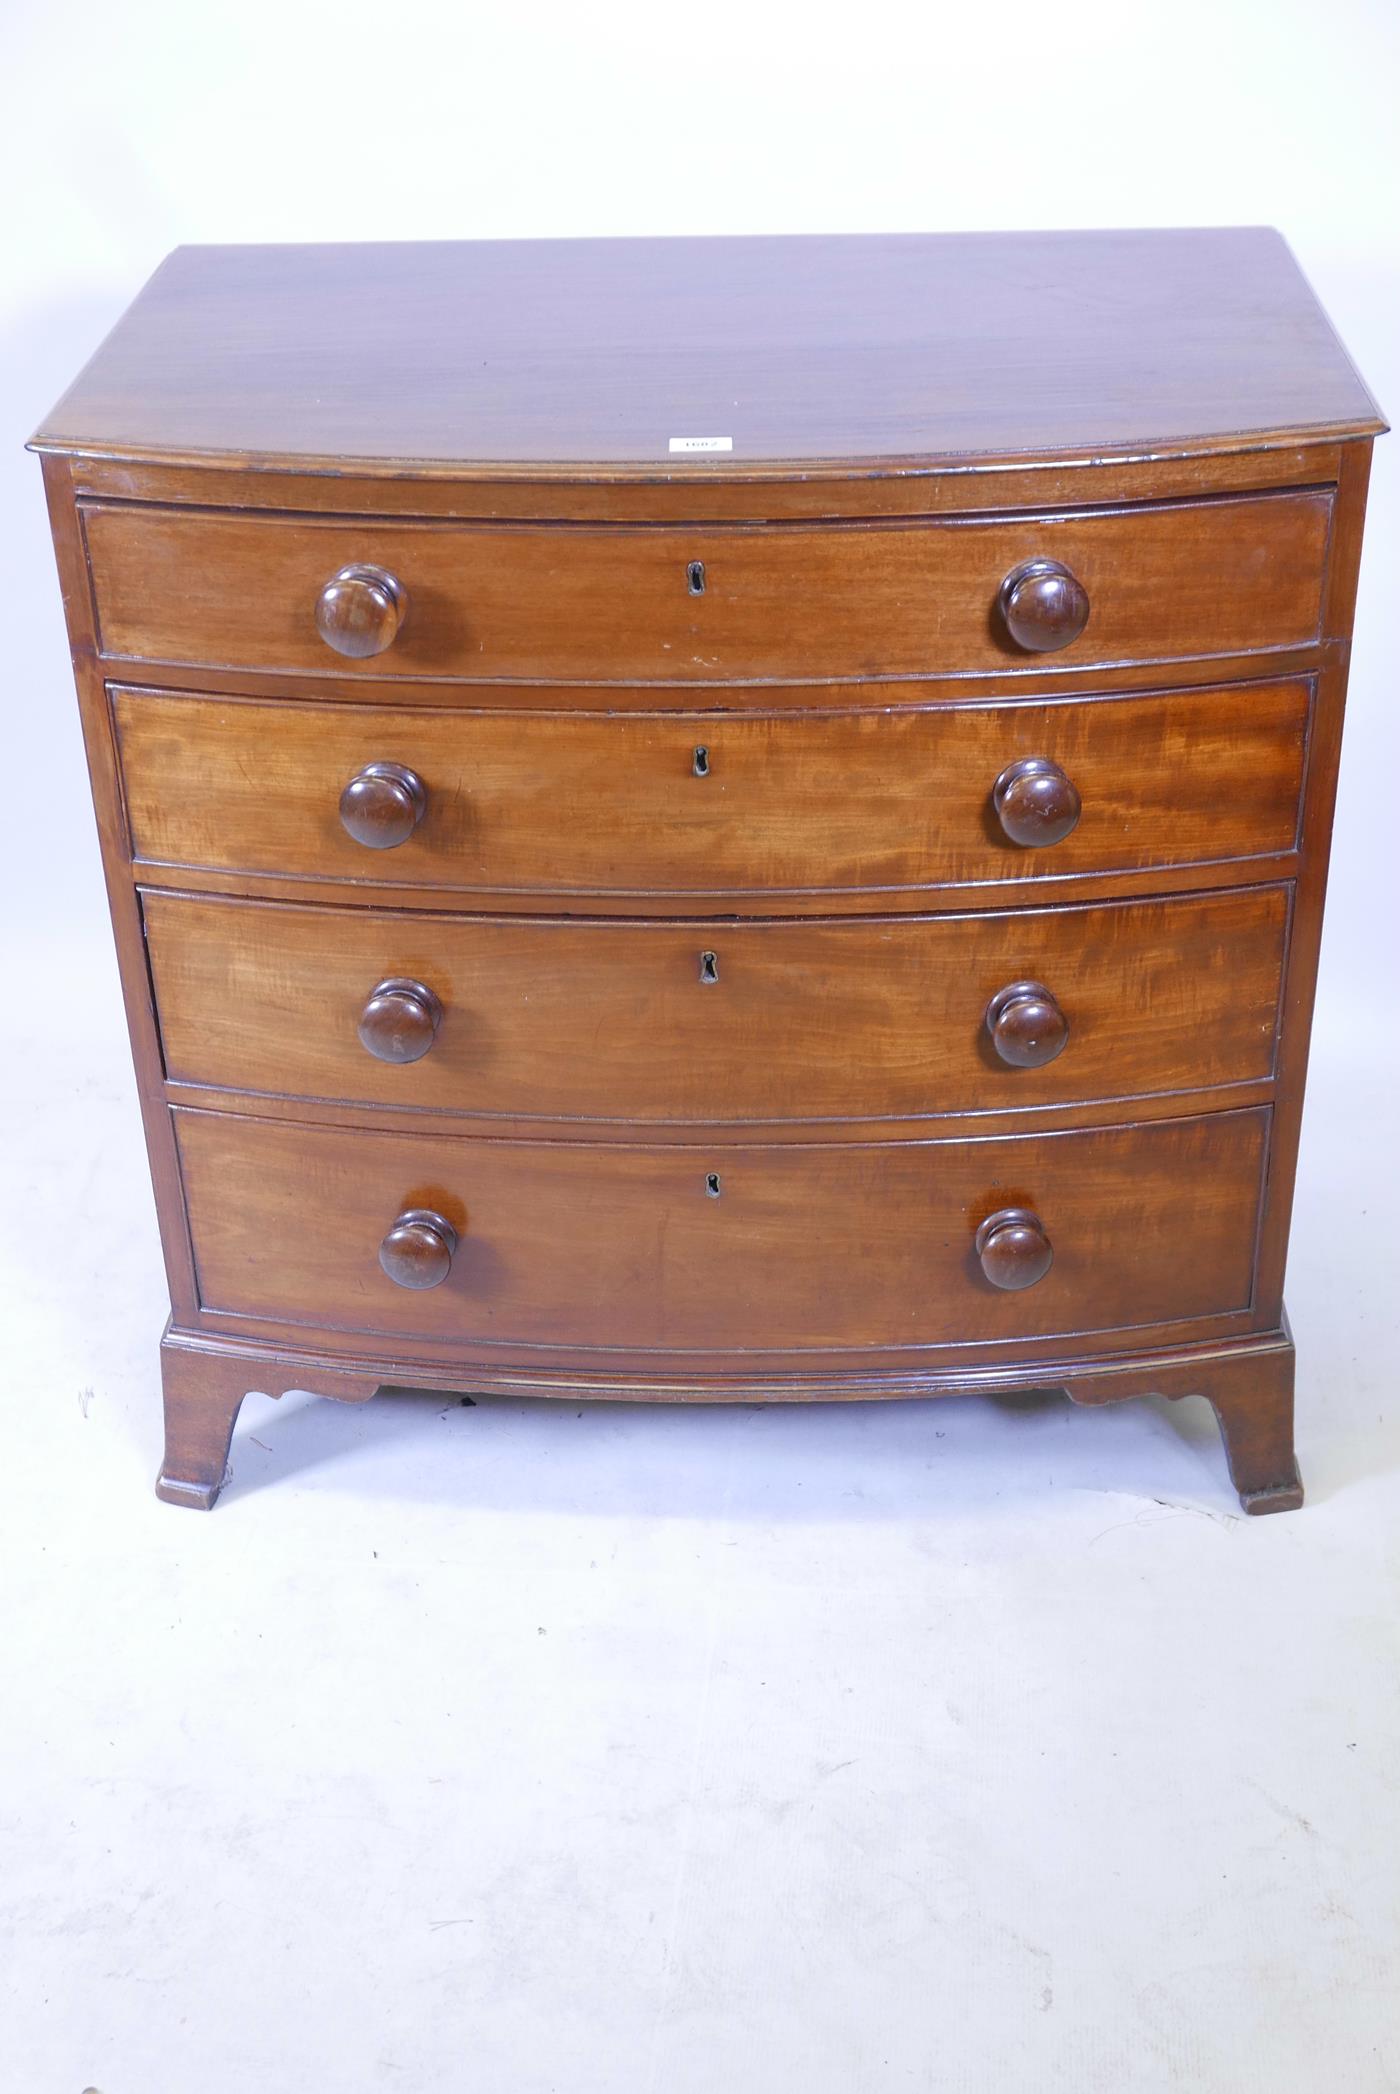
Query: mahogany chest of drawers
[[719, 820]]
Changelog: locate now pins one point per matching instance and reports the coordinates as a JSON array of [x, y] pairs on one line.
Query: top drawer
[[706, 604]]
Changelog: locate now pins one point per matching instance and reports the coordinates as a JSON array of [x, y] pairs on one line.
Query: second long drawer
[[720, 1022], [660, 808]]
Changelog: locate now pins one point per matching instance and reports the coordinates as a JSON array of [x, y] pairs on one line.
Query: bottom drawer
[[838, 1246]]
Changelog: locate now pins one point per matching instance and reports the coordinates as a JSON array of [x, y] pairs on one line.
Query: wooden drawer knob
[[417, 1252], [1014, 1249], [1043, 606], [383, 805], [1027, 1026], [400, 1021], [360, 610], [1036, 802]]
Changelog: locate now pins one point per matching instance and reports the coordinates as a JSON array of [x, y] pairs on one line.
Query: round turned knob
[[1027, 1026], [400, 1021], [1013, 1248], [1036, 802], [383, 805], [417, 1252], [1043, 606], [360, 610]]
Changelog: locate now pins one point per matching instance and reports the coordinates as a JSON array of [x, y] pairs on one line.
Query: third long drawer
[[719, 1022]]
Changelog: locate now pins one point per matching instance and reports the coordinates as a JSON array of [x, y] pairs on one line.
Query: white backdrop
[[757, 1750], [125, 130]]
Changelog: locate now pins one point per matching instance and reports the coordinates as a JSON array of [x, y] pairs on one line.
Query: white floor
[[506, 1748]]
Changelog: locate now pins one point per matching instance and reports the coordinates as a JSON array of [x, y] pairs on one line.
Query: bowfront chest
[[719, 820]]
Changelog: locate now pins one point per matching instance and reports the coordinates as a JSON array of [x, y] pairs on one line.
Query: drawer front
[[791, 1249], [718, 1021], [709, 803], [706, 604]]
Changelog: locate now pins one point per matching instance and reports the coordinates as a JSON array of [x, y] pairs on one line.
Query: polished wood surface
[[814, 1020], [779, 601], [812, 1249], [1250, 1389], [714, 494], [552, 354], [1319, 799], [832, 917], [588, 804]]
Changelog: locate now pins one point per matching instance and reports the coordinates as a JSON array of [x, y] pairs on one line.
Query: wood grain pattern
[[123, 902], [811, 1021], [593, 604], [781, 493], [548, 353], [819, 1247], [1320, 790], [559, 804]]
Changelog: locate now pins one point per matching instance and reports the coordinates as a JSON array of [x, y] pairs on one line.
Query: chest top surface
[[899, 351]]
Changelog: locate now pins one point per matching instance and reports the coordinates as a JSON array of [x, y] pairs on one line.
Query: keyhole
[[702, 761], [709, 967], [695, 578], [712, 1184]]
